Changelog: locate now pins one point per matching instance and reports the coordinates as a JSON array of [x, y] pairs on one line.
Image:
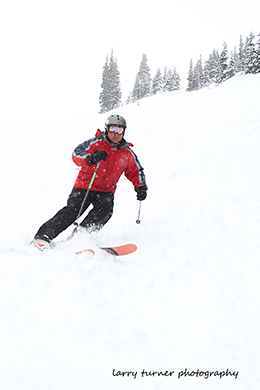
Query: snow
[[187, 299]]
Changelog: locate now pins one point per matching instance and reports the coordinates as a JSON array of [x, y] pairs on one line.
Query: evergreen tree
[[257, 62], [165, 80], [207, 80], [110, 96], [236, 59], [115, 87], [191, 82], [199, 80], [142, 86], [176, 80], [241, 56], [105, 95], [157, 83], [213, 67], [250, 54], [195, 78], [223, 73], [233, 64], [168, 81]]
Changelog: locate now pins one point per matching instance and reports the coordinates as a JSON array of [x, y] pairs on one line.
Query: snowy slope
[[187, 299]]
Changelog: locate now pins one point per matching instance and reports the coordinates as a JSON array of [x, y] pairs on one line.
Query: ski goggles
[[116, 130]]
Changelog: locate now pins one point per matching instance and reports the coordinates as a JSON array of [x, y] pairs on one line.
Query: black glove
[[97, 156], [141, 192]]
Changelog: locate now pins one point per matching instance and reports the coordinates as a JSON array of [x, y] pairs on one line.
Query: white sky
[[53, 51]]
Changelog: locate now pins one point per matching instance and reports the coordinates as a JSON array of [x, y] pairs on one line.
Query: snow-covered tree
[[241, 56], [104, 97], [176, 80], [191, 81], [110, 96], [213, 66], [165, 80], [157, 82], [257, 61], [206, 69], [250, 54], [223, 73], [199, 79], [115, 88], [142, 86], [233, 63]]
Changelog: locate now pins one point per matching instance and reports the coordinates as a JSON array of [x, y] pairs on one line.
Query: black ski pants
[[103, 203]]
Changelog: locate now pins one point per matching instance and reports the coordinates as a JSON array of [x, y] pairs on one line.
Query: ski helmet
[[115, 120]]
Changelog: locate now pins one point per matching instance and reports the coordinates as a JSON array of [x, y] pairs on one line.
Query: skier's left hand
[[141, 192]]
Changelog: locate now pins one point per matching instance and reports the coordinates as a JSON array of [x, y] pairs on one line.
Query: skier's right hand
[[97, 156]]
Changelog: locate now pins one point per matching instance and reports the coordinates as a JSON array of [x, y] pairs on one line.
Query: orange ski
[[116, 251]]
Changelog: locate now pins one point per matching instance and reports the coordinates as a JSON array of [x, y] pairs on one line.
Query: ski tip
[[90, 251], [116, 251], [121, 250], [129, 248]]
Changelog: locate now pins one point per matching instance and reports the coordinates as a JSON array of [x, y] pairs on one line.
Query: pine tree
[[142, 86], [207, 80], [236, 59], [115, 87], [168, 81], [213, 67], [110, 96], [233, 64], [257, 49], [157, 83], [223, 65], [165, 80], [176, 80], [250, 54], [195, 78], [191, 82], [104, 96], [241, 56], [199, 80]]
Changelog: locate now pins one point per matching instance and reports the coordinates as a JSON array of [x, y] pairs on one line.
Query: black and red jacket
[[121, 159]]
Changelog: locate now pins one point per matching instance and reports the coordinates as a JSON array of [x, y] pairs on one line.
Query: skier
[[113, 153]]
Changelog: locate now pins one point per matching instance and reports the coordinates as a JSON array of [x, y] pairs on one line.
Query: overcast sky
[[53, 51]]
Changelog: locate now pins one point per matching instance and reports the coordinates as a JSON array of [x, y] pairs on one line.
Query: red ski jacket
[[121, 159]]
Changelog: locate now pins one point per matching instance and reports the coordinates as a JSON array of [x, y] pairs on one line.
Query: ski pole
[[139, 212], [83, 203]]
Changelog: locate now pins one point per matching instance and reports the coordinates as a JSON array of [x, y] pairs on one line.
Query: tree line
[[218, 68], [145, 85]]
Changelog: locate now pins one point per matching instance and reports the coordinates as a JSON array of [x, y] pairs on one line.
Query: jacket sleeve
[[82, 151], [134, 171]]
